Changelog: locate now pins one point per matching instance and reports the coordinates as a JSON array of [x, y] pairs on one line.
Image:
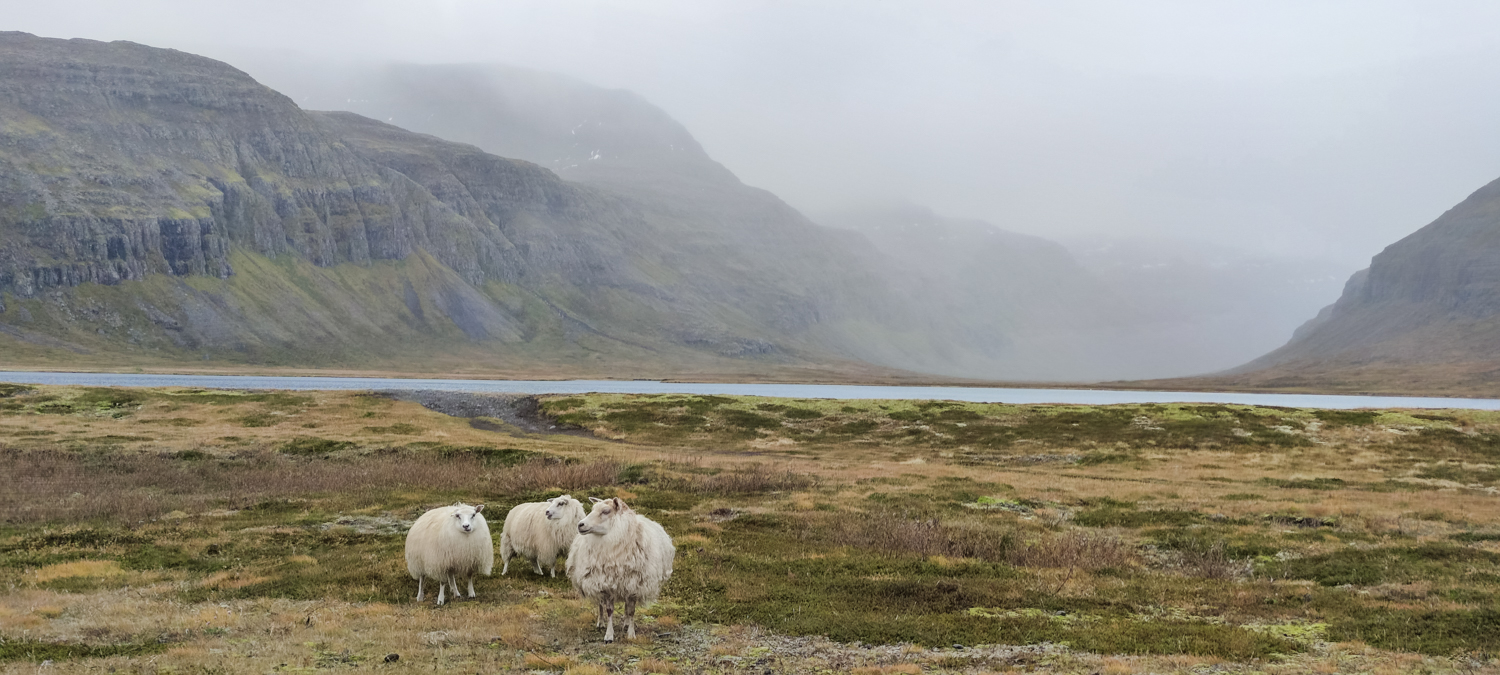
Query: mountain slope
[[161, 203], [1425, 316], [1021, 308]]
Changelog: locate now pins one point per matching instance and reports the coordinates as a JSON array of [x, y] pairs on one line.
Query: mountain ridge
[[1423, 317]]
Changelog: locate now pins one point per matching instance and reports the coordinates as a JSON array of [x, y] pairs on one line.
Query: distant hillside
[[1425, 316], [1213, 306], [1031, 306], [955, 297], [162, 208]]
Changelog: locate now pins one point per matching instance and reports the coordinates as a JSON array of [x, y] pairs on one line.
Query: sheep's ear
[[567, 497], [479, 508], [595, 500], [619, 504]]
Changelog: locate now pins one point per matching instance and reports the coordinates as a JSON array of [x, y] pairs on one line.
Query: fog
[[1266, 136]]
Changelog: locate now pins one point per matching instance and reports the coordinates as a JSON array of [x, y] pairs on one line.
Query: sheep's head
[[605, 514], [560, 506], [467, 517]]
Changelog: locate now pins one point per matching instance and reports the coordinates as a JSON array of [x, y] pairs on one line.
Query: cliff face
[[121, 163], [1430, 301]]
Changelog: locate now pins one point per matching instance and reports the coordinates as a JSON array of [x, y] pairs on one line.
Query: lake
[[974, 394]]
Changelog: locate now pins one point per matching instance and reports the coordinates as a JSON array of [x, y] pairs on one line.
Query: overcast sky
[[1327, 129]]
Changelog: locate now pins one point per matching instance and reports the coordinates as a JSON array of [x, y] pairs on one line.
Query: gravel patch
[[488, 411]]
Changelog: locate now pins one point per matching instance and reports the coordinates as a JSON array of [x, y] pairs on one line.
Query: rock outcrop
[[1424, 315]]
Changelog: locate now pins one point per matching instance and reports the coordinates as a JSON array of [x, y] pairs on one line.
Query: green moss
[[1459, 474], [259, 420], [1365, 567], [1346, 417], [311, 445], [9, 390], [14, 649], [489, 456], [1440, 633], [1306, 483], [1128, 516], [398, 429]]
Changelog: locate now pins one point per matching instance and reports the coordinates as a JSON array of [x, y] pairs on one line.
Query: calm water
[[975, 394]]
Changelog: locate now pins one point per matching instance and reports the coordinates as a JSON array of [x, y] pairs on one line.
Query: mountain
[[1022, 309], [158, 207], [157, 203], [1424, 317], [616, 141]]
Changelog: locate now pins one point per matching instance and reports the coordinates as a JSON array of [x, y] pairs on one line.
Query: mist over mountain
[[160, 203], [1215, 307], [164, 205], [1020, 309], [1424, 316]]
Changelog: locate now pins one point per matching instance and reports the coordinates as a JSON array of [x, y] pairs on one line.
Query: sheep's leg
[[441, 587], [599, 622], [419, 587], [471, 586], [630, 619], [538, 563], [549, 563], [609, 625], [453, 581], [505, 558]]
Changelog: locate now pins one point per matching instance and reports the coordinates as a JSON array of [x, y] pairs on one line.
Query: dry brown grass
[[749, 479], [535, 661], [540, 474], [658, 666], [897, 669], [587, 669], [1078, 549], [72, 488], [928, 537]]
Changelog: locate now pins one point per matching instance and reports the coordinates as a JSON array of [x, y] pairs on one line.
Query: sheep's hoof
[[608, 640]]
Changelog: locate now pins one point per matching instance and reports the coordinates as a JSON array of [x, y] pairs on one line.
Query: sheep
[[448, 543], [540, 530], [619, 556]]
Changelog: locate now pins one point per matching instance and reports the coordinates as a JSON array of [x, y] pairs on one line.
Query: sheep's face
[[604, 516], [559, 507], [467, 517]]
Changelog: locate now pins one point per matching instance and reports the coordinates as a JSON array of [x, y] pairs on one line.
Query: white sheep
[[619, 556], [540, 531], [449, 543]]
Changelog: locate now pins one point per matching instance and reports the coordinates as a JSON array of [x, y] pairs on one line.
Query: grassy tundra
[[185, 530]]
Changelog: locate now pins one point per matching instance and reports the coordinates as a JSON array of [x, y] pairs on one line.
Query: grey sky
[[1326, 129]]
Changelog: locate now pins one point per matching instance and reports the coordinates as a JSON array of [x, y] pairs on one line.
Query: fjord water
[[834, 391]]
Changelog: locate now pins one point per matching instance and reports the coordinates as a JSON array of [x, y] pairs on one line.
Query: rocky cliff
[[296, 237], [1425, 315]]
